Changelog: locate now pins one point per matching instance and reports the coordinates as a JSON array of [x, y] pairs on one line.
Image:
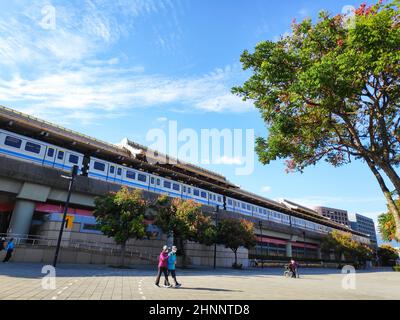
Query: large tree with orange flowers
[[331, 91]]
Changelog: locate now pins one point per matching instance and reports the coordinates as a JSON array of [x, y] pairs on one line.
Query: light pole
[[215, 241], [71, 179], [262, 244]]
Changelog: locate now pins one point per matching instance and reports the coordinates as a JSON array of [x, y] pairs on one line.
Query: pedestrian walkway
[[23, 281]]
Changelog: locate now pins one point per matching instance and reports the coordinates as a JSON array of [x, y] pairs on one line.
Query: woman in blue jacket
[[172, 264], [10, 248]]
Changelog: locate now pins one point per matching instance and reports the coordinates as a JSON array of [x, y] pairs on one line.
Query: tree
[[234, 233], [387, 255], [120, 216], [184, 220], [387, 225], [331, 91], [342, 243]]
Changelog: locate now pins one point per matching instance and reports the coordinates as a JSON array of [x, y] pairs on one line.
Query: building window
[[32, 147], [13, 142], [99, 166], [142, 177], [73, 158], [131, 175]]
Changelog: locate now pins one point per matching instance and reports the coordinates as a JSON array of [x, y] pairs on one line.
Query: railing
[[99, 247]]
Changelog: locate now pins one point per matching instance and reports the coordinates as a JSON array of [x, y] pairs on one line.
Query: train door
[[50, 156], [118, 174], [73, 159], [59, 159], [112, 172]]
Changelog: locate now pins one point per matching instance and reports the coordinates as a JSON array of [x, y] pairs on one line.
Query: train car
[[31, 150]]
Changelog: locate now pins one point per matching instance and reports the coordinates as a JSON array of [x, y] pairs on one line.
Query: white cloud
[[229, 160], [266, 189]]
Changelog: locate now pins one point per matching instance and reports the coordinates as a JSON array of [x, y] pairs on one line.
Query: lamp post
[[215, 242], [71, 179], [262, 244]]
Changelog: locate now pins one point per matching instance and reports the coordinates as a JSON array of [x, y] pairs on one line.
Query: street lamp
[[262, 244], [71, 179], [215, 241]]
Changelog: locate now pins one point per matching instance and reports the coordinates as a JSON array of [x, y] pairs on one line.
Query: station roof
[[172, 168]]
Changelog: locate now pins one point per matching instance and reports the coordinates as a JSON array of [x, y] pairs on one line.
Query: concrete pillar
[[319, 253], [289, 249], [21, 217]]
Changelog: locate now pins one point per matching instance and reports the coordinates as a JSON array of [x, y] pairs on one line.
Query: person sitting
[[293, 265]]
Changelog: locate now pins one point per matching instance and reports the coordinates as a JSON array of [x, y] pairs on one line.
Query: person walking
[[163, 267], [172, 265], [10, 248]]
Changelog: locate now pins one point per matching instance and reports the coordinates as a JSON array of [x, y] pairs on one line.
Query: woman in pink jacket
[[163, 267]]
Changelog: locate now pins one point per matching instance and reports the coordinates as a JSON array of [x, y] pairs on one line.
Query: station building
[[32, 197]]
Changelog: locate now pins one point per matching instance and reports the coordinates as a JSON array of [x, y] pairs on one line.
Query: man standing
[[172, 265], [10, 248], [163, 267]]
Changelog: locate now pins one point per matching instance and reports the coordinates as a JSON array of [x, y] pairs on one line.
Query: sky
[[122, 68]]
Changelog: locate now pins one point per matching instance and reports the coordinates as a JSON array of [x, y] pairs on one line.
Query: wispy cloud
[[336, 202], [53, 73], [266, 189]]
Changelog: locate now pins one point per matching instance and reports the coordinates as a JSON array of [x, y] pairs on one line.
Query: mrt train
[[32, 150]]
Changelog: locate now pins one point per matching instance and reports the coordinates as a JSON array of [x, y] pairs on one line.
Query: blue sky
[[115, 69]]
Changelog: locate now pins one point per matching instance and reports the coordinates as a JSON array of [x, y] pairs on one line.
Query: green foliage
[[342, 243], [396, 268], [120, 215], [387, 255], [184, 219], [387, 225], [329, 91], [234, 233]]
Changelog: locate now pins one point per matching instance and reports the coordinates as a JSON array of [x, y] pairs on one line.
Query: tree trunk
[[182, 247], [392, 175], [391, 204], [122, 258]]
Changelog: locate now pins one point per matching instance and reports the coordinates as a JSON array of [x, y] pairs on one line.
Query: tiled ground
[[24, 281]]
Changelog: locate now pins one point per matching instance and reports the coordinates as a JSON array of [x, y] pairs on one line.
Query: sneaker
[[157, 285], [177, 285], [167, 286]]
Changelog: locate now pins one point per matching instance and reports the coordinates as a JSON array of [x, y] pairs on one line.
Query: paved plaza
[[77, 282]]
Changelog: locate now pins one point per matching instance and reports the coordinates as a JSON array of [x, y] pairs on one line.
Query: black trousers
[[173, 274], [162, 270], [8, 255]]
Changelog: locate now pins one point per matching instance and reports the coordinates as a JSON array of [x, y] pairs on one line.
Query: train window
[[142, 177], [13, 142], [184, 189], [196, 192], [158, 182], [219, 199], [189, 190], [203, 195], [50, 152], [73, 158], [248, 207], [152, 180], [130, 174], [60, 155], [243, 206], [214, 197], [99, 166], [119, 171], [167, 184], [112, 169], [230, 202], [33, 147], [176, 187]]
